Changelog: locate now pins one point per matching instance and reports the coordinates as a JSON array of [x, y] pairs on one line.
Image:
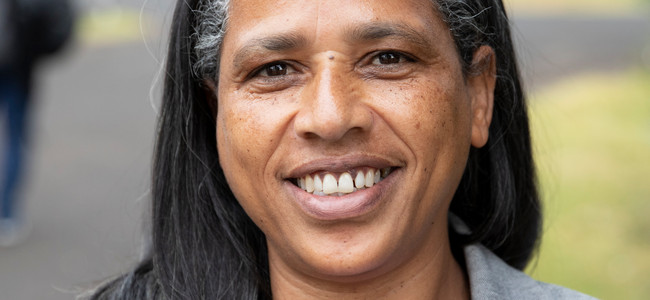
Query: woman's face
[[343, 129]]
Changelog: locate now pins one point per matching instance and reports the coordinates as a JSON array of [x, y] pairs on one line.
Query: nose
[[332, 107]]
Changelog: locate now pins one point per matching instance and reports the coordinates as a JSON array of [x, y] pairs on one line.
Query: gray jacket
[[491, 278]]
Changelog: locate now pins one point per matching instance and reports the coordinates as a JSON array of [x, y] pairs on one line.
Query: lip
[[353, 205], [339, 164]]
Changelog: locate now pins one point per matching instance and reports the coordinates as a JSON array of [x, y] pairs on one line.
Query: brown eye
[[389, 58], [277, 69], [388, 64]]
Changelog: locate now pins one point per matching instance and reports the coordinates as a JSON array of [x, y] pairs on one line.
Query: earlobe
[[482, 81], [210, 89]]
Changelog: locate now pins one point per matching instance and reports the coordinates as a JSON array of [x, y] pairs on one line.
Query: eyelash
[[374, 56], [402, 57], [264, 68]]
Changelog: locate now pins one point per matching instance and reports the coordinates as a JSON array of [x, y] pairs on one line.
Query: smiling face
[[343, 129]]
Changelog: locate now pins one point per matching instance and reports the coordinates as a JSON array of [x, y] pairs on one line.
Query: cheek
[[427, 113], [249, 131], [237, 140], [241, 149]]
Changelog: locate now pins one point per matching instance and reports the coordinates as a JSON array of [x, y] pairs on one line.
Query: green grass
[[592, 145]]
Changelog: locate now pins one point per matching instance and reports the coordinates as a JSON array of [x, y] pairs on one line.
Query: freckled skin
[[338, 99]]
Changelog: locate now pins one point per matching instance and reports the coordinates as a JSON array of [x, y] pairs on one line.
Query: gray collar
[[492, 278]]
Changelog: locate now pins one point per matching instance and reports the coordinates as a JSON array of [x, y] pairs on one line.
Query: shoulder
[[492, 278]]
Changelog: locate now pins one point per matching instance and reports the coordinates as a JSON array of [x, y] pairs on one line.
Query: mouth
[[327, 183], [344, 187]]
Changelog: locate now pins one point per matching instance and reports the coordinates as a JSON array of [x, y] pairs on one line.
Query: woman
[[341, 149]]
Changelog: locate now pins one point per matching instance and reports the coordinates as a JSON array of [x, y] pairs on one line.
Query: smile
[[341, 183]]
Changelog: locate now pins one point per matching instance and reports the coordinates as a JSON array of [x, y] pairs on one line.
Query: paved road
[[552, 48], [93, 133], [92, 142]]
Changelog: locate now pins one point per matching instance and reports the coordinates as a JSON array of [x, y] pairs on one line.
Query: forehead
[[321, 18]]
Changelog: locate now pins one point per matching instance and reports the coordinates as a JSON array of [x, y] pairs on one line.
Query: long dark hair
[[204, 244]]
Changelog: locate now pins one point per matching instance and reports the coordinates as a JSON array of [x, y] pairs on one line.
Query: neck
[[434, 274]]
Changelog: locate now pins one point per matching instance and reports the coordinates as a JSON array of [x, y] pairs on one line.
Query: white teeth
[[345, 183], [308, 184], [370, 179], [360, 180], [318, 185], [329, 184]]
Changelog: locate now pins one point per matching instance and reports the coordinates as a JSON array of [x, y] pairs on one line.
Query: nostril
[[324, 126], [308, 135], [329, 130]]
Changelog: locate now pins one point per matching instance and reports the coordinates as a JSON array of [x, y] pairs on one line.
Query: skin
[[350, 84]]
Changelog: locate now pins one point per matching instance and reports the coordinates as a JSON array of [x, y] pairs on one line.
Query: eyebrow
[[365, 32], [381, 30], [276, 43]]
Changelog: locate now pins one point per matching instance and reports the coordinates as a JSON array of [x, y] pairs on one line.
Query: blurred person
[[30, 30], [341, 150]]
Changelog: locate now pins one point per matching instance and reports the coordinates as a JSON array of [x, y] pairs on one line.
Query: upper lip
[[339, 164]]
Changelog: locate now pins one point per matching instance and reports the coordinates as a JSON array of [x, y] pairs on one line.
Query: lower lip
[[331, 208]]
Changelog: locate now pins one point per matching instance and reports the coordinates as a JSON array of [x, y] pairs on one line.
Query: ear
[[210, 89], [481, 82]]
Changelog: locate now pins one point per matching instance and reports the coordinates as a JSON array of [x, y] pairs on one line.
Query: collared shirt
[[492, 278]]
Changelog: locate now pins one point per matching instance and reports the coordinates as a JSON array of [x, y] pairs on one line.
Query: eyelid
[[370, 57], [402, 55], [370, 70], [256, 72]]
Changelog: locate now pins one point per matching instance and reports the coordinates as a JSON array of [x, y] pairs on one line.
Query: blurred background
[[586, 65]]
